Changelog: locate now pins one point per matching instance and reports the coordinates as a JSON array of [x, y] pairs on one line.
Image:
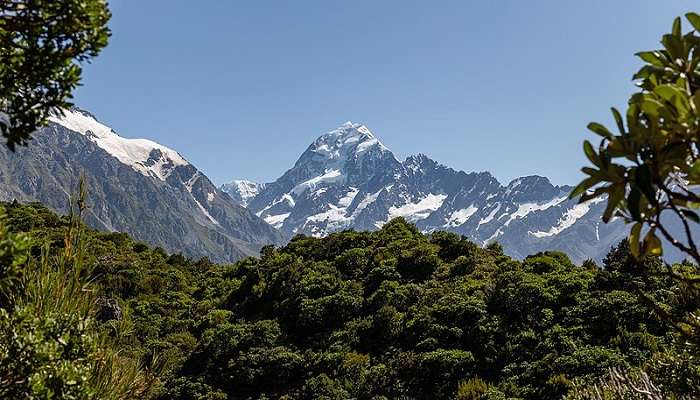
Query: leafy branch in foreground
[[649, 170], [42, 43]]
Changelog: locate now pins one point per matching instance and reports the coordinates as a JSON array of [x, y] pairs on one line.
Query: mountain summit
[[144, 156], [134, 185], [347, 179], [345, 142]]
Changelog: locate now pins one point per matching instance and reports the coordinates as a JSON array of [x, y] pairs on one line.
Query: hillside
[[134, 185], [386, 314]]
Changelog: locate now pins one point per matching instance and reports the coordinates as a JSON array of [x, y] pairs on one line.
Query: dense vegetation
[[51, 346], [386, 314]]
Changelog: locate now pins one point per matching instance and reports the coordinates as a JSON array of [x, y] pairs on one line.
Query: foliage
[[42, 44], [472, 389], [50, 345], [14, 252], [386, 314], [649, 170]]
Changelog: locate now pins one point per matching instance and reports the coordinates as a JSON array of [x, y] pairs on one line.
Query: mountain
[[242, 190], [135, 186], [347, 179]]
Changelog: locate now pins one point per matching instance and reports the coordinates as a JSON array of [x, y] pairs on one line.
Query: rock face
[[135, 186], [347, 179]]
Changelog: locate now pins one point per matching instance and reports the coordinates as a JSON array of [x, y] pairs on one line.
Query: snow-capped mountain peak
[[145, 156], [242, 190], [347, 141], [347, 179]]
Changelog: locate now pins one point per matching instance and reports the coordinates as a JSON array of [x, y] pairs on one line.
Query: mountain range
[[135, 186], [348, 179]]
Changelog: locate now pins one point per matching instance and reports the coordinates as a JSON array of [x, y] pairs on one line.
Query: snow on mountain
[[145, 156], [347, 179], [135, 186], [348, 140], [459, 217], [329, 176], [276, 220], [569, 218], [421, 209], [242, 190]]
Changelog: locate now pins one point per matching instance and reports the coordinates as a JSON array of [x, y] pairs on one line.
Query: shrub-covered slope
[[368, 315]]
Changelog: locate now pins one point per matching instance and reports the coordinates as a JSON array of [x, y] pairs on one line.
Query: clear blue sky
[[240, 88]]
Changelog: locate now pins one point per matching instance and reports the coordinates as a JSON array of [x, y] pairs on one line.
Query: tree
[[649, 170], [42, 44]]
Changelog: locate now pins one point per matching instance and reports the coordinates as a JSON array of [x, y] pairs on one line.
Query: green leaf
[[613, 202], [616, 148], [651, 107], [618, 120], [609, 210], [596, 173], [590, 152], [633, 203], [595, 194], [675, 96], [600, 130], [651, 57], [673, 45], [634, 239], [642, 177], [652, 244], [583, 186], [677, 27], [694, 20]]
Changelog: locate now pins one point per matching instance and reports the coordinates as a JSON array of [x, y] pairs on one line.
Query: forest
[[365, 315]]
